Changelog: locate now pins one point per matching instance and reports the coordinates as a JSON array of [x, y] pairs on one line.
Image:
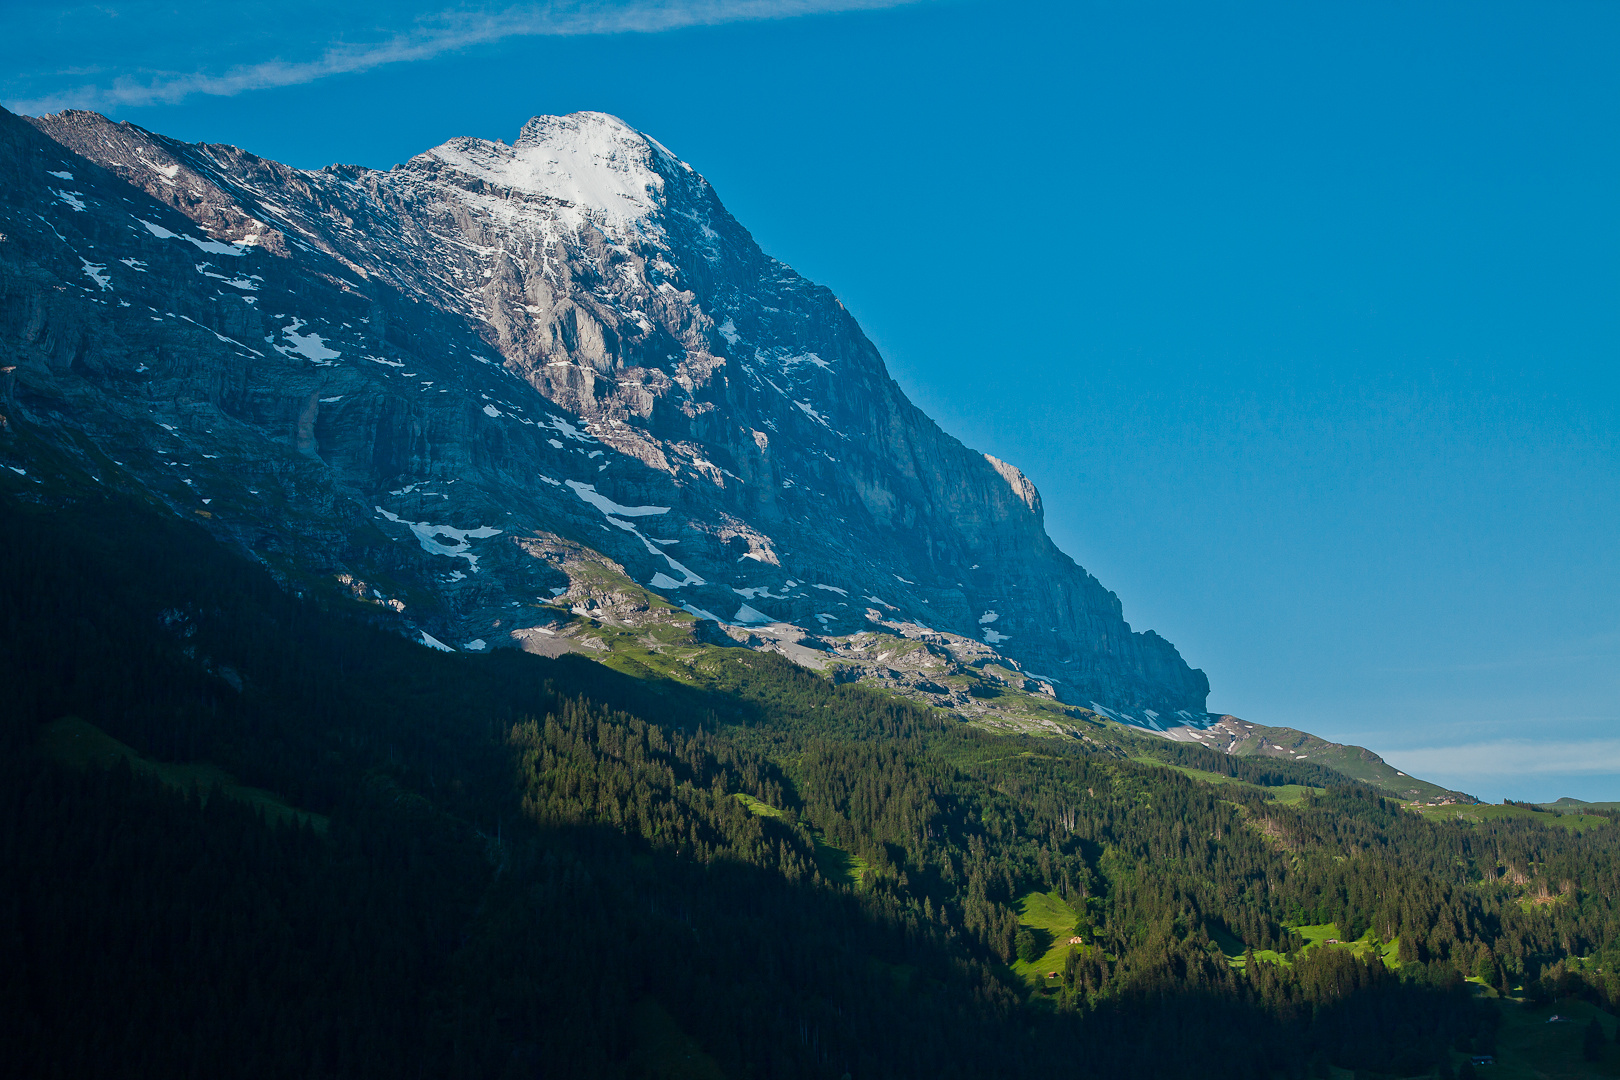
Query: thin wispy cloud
[[433, 36], [1512, 757]]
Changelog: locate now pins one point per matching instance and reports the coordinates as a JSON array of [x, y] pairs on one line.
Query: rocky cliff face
[[439, 382]]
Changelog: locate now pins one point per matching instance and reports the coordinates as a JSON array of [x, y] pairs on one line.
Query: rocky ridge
[[1239, 738]]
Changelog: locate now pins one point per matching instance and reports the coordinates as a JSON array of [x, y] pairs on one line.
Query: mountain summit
[[502, 389]]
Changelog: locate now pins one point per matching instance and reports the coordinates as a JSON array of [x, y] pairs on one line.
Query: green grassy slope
[[1356, 762], [1476, 813]]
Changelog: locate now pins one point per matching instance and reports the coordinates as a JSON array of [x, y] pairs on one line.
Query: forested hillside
[[504, 865]]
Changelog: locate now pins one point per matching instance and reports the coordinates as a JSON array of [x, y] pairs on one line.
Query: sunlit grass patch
[[1052, 919]]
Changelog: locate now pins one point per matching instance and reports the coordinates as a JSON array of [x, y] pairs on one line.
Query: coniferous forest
[[507, 866]]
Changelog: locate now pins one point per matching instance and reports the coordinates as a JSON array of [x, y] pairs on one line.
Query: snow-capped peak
[[595, 162]]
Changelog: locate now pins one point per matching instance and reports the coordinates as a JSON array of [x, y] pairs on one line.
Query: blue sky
[[1304, 318]]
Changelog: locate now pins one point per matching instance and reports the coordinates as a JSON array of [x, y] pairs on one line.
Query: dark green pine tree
[[1592, 1046]]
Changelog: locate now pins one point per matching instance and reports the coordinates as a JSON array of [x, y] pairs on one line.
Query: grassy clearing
[[1476, 815], [77, 743], [1364, 946], [1318, 935], [1051, 917], [1288, 794], [832, 863], [757, 808], [837, 865]]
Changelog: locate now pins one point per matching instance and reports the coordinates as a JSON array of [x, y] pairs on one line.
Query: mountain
[[553, 396], [443, 383]]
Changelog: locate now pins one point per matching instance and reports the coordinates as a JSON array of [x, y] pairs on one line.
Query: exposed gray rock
[[407, 376]]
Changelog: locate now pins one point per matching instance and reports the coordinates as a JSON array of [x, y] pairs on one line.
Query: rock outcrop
[[406, 377]]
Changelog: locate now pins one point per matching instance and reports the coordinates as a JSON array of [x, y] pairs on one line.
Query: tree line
[[524, 851]]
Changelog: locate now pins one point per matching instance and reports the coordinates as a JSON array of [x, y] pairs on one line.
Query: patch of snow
[[567, 430], [59, 175], [134, 264], [805, 407], [747, 615], [593, 165], [491, 411], [691, 578], [993, 638], [212, 247], [311, 347], [390, 363], [476, 645], [434, 643], [987, 618], [661, 580], [789, 362], [728, 330], [832, 588], [246, 283], [754, 592], [70, 197], [589, 493], [329, 400], [222, 337], [700, 613], [615, 514], [427, 534], [96, 273], [884, 603]]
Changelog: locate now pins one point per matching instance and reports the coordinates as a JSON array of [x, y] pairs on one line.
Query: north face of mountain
[[456, 384]]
